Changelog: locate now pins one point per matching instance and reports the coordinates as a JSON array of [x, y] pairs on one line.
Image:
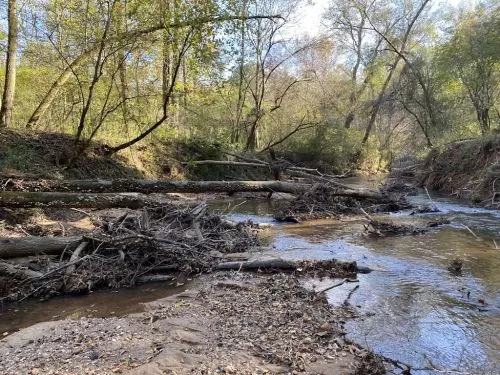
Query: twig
[[346, 301], [337, 285], [429, 196], [495, 244], [470, 230]]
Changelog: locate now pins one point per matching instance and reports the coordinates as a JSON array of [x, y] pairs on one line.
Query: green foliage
[[235, 76]]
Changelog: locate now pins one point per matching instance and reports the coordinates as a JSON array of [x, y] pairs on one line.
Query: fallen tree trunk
[[280, 264], [26, 246], [22, 199], [157, 186], [17, 271], [59, 189]]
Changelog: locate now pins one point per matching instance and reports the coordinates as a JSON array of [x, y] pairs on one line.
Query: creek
[[410, 308]]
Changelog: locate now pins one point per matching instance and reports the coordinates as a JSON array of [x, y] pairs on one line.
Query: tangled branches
[[138, 246]]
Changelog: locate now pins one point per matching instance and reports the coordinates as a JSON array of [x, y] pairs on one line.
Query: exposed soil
[[467, 169], [233, 323]]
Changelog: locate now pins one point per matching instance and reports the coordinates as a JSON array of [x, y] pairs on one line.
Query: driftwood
[[281, 165], [26, 246], [281, 264], [17, 271], [22, 199], [155, 186]]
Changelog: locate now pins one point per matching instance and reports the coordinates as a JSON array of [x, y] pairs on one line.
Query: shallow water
[[99, 304], [411, 308]]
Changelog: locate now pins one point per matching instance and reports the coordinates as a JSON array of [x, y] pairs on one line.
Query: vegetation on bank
[[468, 169], [137, 76]]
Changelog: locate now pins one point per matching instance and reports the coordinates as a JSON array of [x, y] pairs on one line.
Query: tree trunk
[[27, 246], [152, 186], [47, 100], [21, 199], [57, 196], [10, 70], [56, 192]]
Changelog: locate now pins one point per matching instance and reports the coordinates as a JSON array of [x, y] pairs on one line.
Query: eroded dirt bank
[[237, 323], [468, 169]]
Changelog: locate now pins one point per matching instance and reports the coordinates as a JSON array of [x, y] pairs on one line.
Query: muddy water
[[101, 303], [411, 308]]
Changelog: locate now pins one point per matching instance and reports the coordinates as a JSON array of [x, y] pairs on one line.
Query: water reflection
[[99, 304], [411, 307]]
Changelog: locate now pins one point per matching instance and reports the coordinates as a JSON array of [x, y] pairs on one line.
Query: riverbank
[[469, 170], [233, 323]]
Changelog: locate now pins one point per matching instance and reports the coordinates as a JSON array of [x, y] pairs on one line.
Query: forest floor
[[232, 323]]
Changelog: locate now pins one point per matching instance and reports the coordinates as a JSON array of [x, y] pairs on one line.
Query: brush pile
[[322, 201], [143, 245]]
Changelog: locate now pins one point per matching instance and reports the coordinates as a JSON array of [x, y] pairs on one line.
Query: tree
[[409, 19], [473, 55], [10, 71]]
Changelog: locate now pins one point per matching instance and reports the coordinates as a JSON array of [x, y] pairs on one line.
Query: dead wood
[[325, 201], [277, 264], [153, 186], [326, 268], [26, 246], [17, 271], [337, 285], [146, 245], [23, 199], [75, 256]]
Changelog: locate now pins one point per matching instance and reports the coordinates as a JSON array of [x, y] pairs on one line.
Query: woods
[[362, 90]]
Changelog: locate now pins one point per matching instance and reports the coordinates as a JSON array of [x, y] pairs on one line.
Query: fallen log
[[156, 186], [26, 246], [57, 199], [22, 199], [257, 264], [17, 271], [280, 264]]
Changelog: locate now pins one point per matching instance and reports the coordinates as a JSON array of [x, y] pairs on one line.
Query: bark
[[56, 192], [10, 69], [21, 199], [27, 246], [152, 186], [17, 272], [278, 264]]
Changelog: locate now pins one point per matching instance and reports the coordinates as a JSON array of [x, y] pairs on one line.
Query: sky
[[309, 15]]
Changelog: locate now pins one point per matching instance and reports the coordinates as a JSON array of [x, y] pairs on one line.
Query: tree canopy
[[381, 79]]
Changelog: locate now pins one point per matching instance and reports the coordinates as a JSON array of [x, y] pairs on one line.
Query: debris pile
[[142, 245], [323, 201], [383, 228]]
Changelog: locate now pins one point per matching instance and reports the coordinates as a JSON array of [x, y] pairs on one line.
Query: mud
[[227, 323]]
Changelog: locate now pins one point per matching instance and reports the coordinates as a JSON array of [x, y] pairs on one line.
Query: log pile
[[323, 201], [137, 247]]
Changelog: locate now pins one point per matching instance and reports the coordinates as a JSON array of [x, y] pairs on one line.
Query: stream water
[[410, 308]]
